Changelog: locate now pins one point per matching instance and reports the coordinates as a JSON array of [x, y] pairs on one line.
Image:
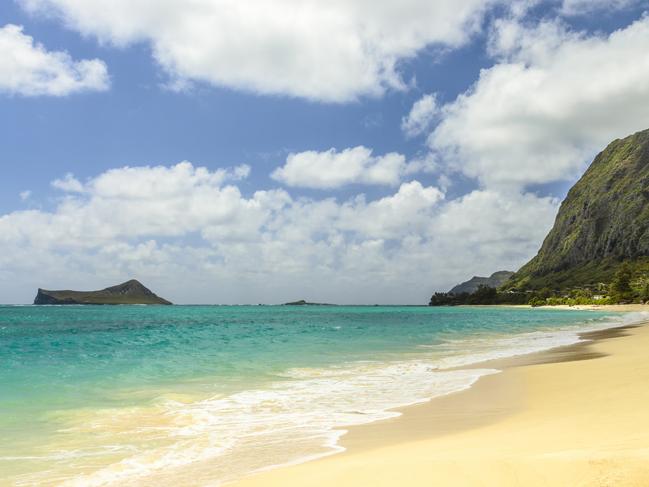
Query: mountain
[[603, 222], [496, 280], [130, 292]]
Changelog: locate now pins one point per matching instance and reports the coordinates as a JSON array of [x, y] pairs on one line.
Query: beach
[[210, 395], [573, 416]]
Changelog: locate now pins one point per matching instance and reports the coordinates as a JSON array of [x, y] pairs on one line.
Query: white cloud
[[28, 69], [133, 202], [25, 195], [391, 217], [426, 163], [193, 236], [501, 227], [333, 169], [553, 99], [333, 51], [421, 116], [68, 183]]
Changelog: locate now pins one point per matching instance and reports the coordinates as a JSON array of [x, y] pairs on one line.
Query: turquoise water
[[134, 395]]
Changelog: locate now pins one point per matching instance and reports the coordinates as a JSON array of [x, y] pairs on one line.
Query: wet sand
[[573, 416]]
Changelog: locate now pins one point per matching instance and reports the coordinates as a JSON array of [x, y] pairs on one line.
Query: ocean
[[202, 395]]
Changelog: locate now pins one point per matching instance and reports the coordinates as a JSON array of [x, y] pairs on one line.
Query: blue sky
[[139, 122], [361, 210]]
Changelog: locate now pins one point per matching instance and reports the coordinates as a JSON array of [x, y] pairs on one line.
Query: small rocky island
[[130, 292], [302, 302]]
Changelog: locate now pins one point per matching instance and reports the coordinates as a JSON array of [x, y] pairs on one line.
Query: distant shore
[[629, 308], [621, 308], [570, 416]]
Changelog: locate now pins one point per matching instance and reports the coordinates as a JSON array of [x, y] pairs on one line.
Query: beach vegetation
[[644, 295], [621, 290]]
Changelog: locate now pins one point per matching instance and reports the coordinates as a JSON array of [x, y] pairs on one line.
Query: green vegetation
[[130, 292], [598, 249], [602, 225], [484, 295], [621, 290], [496, 280], [630, 284]]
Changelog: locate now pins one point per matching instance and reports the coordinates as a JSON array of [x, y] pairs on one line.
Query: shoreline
[[618, 308], [493, 400], [624, 308], [498, 388]]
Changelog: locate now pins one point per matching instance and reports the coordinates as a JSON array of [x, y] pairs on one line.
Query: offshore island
[[129, 292]]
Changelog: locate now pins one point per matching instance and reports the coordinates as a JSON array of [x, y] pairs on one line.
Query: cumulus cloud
[[421, 116], [504, 227], [553, 99], [29, 69], [394, 216], [193, 235], [333, 169], [332, 51]]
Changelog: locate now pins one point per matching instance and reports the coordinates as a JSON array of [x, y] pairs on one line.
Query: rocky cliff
[[603, 222], [130, 292]]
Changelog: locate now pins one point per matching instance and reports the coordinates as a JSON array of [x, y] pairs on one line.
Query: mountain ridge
[[597, 251], [495, 280], [602, 222]]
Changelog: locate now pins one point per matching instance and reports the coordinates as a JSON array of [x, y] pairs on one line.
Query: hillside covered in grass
[[603, 222], [598, 248]]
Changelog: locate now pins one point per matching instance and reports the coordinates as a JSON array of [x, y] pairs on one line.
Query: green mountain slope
[[130, 292], [603, 222], [496, 280]]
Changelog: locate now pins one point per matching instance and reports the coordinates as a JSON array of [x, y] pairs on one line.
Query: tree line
[[625, 287]]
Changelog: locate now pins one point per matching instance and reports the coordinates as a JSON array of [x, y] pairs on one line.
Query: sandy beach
[[628, 308], [575, 416]]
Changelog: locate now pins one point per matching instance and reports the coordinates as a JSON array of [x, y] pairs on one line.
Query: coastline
[[628, 308], [618, 308], [570, 415]]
